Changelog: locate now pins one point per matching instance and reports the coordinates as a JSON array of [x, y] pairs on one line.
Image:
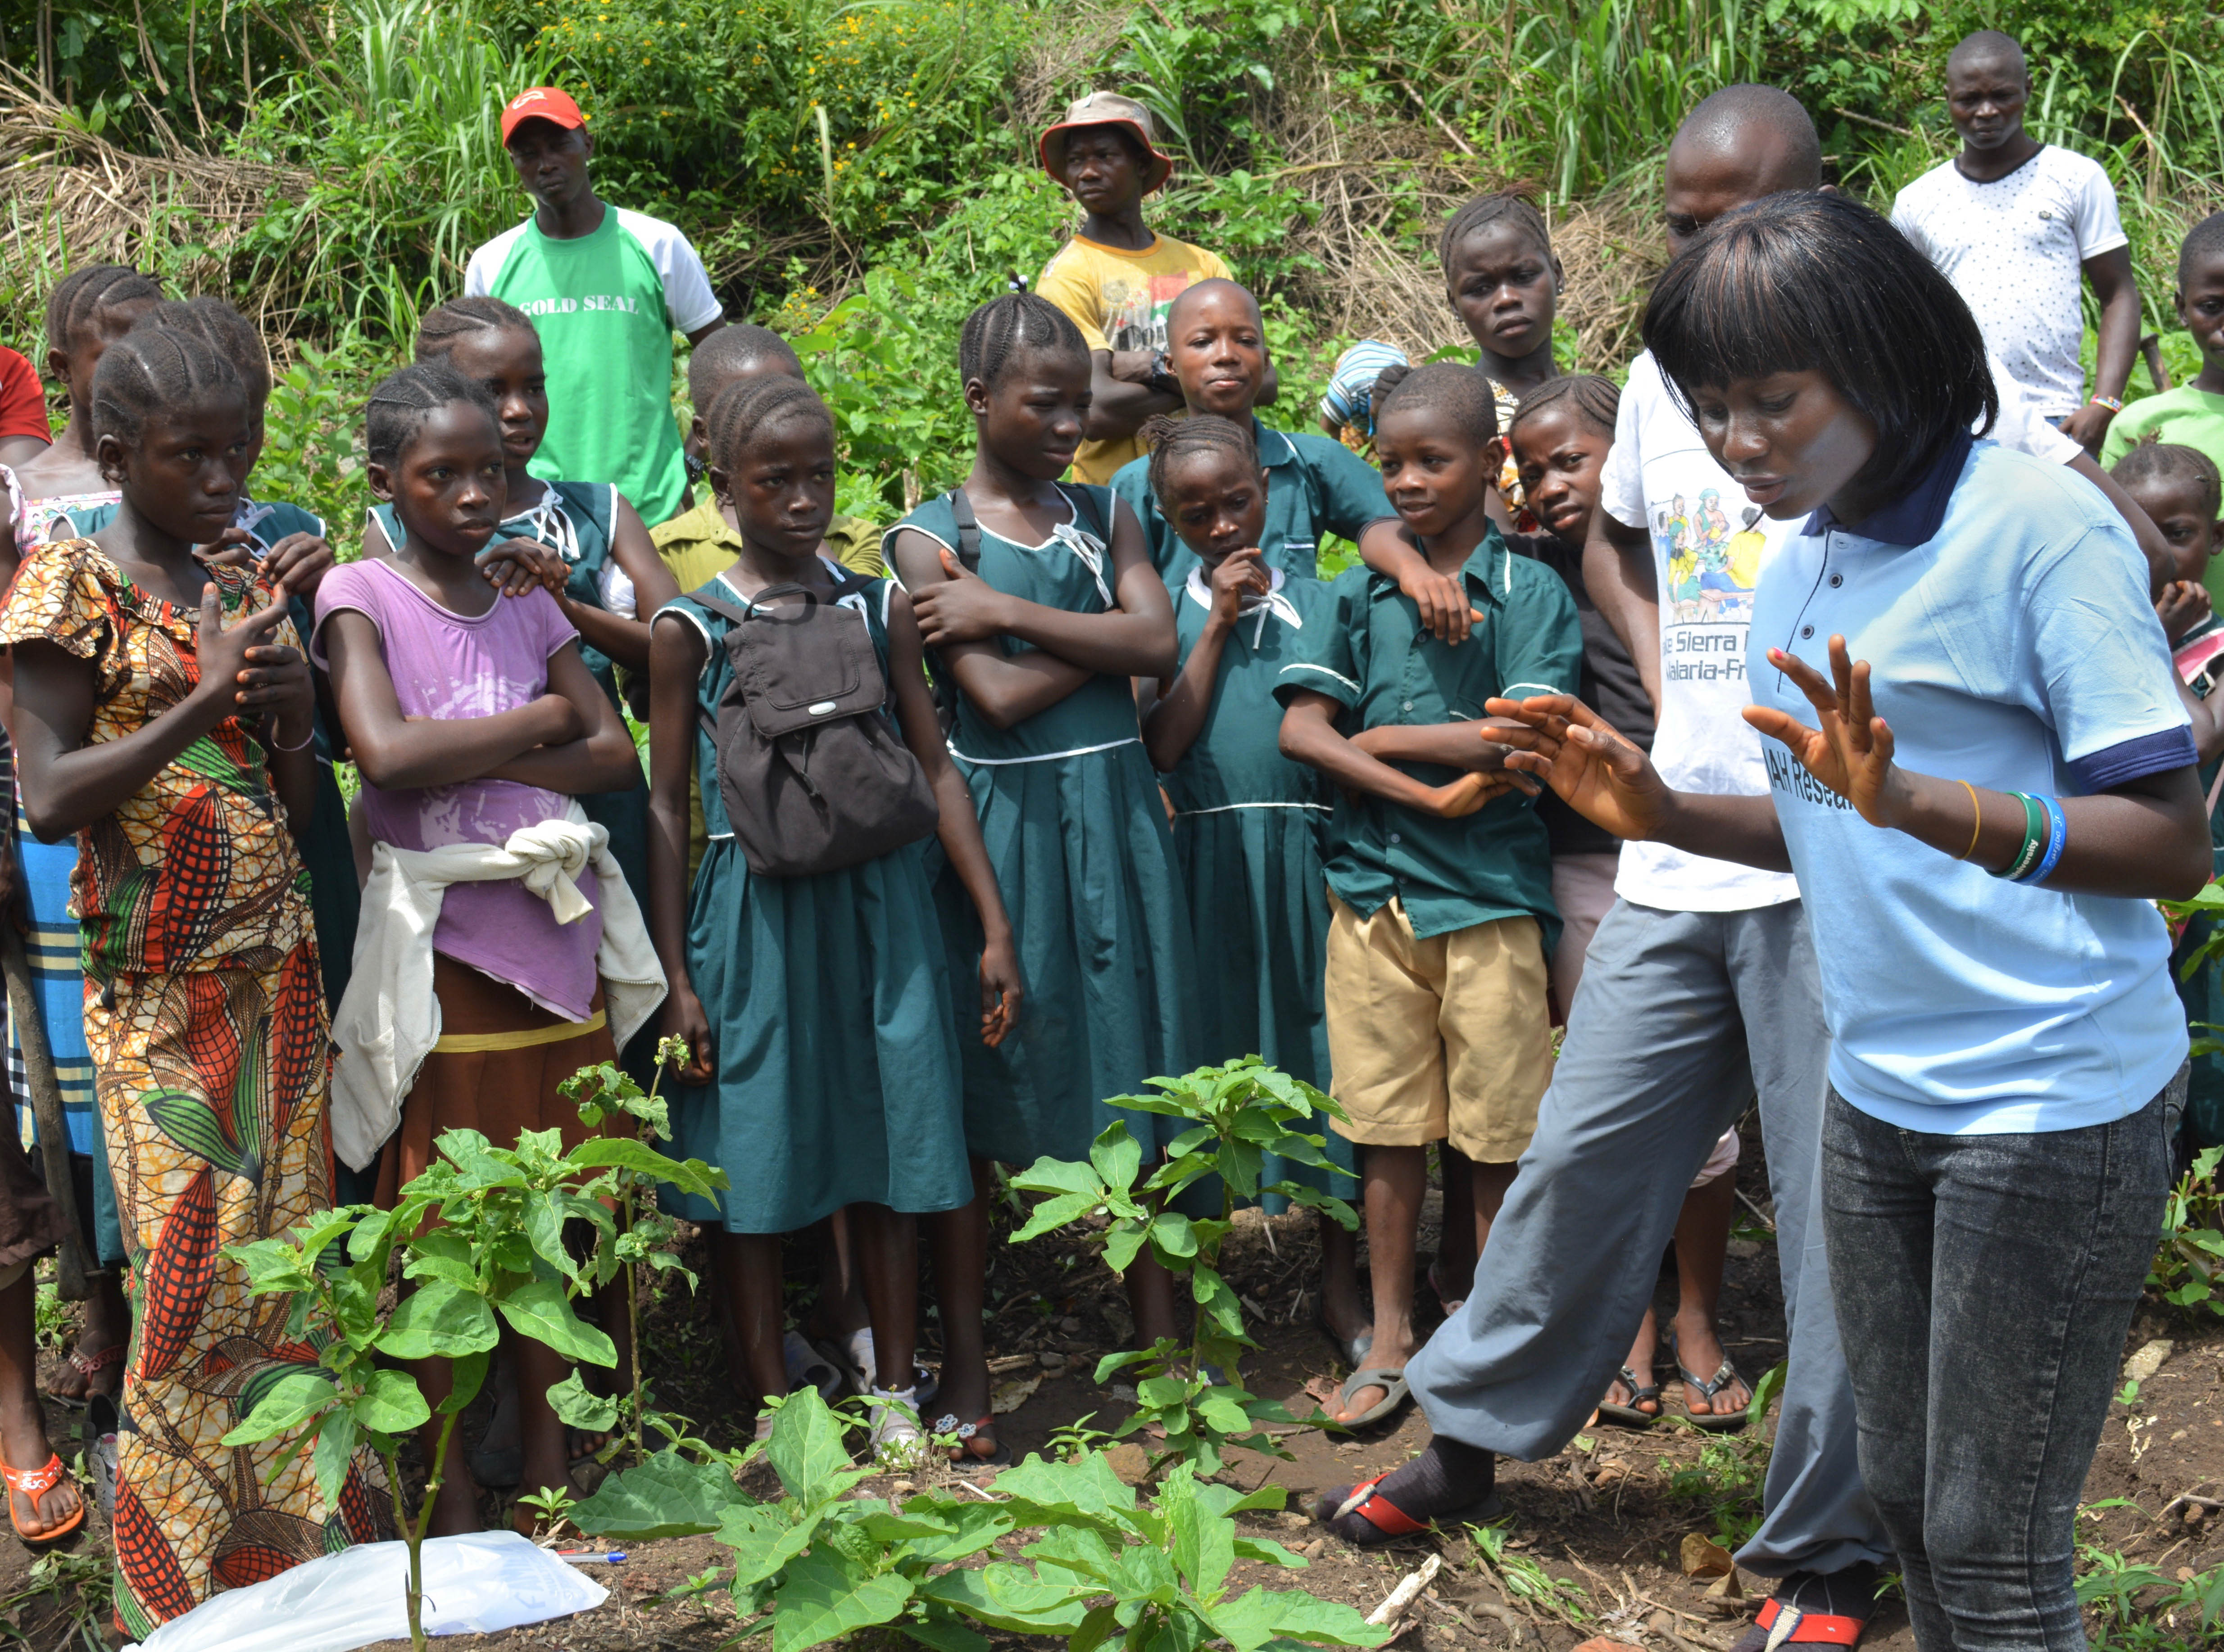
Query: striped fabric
[[59, 983]]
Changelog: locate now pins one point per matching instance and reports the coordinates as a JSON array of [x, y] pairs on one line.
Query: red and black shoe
[[1815, 1609], [1363, 1517]]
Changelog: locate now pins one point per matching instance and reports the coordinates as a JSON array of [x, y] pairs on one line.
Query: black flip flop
[[1386, 1521], [1716, 1423], [1628, 1415]]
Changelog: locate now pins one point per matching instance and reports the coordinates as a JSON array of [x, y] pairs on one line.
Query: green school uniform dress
[[838, 1069], [1070, 814], [577, 518], [1249, 826], [1314, 487], [1375, 659]]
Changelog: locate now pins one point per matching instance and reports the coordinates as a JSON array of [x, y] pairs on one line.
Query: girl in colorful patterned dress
[[163, 715]]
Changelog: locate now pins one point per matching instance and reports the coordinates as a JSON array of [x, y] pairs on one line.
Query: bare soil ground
[[1608, 1514]]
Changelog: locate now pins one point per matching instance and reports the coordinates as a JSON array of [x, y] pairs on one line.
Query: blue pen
[[589, 1557]]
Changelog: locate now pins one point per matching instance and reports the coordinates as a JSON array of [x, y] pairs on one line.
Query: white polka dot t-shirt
[[2012, 248]]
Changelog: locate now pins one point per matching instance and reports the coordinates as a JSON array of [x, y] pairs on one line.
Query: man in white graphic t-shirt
[[2013, 223]]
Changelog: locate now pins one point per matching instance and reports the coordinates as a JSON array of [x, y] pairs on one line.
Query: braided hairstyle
[[403, 403], [730, 350], [1168, 439], [215, 323], [1007, 327], [1457, 395], [1593, 398], [82, 294], [747, 406], [152, 368], [1481, 214], [2153, 461], [445, 325]]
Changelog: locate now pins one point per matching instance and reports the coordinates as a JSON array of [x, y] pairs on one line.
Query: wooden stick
[[71, 1271], [1394, 1606]]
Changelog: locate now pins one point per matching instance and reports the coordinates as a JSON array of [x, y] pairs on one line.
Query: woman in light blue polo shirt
[[1981, 812]]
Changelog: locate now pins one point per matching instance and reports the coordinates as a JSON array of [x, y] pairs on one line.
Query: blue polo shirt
[[1314, 486], [2002, 607]]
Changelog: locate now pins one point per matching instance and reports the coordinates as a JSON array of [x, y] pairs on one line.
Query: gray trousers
[[1681, 1017]]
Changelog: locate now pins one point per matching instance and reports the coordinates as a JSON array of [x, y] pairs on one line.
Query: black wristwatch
[[1162, 376]]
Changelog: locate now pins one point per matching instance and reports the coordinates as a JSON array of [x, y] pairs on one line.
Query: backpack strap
[[969, 530]]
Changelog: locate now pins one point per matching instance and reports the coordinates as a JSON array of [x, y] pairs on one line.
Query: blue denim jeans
[[1984, 1285]]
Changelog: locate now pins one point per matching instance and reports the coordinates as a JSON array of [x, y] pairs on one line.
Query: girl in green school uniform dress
[[823, 1069], [602, 567], [1248, 822], [1042, 641]]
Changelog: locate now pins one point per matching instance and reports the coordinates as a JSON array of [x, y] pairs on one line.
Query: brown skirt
[[494, 1070]]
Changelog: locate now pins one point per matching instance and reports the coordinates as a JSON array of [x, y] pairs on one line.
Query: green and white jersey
[[606, 305]]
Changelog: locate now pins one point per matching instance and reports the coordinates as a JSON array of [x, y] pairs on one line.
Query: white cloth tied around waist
[[390, 1018]]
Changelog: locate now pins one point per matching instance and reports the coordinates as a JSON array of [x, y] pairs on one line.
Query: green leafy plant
[[1522, 1579], [821, 1564], [1725, 1483], [2187, 1265], [643, 1233], [2187, 1613], [497, 1256], [1238, 1114]]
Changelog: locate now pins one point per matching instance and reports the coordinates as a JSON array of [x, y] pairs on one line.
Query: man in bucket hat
[[1117, 278]]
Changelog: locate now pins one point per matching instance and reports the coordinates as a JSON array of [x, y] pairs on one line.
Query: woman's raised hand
[[1601, 775], [1851, 750]]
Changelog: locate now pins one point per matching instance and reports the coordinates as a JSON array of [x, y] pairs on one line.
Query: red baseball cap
[[540, 103]]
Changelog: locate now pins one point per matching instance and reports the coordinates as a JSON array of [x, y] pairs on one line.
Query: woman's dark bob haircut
[[1812, 280]]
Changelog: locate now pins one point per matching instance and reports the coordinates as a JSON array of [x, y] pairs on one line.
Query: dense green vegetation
[[862, 174]]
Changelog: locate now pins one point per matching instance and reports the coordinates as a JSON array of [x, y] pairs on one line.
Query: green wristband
[[2034, 838]]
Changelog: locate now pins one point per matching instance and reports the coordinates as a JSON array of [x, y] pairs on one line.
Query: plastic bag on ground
[[474, 1584]]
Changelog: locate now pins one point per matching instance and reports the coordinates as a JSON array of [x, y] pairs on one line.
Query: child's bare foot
[[95, 1364], [44, 1513]]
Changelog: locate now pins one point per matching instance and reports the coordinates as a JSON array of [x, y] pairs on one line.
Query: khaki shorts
[[1441, 1040]]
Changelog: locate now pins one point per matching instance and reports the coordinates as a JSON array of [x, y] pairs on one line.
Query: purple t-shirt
[[450, 665]]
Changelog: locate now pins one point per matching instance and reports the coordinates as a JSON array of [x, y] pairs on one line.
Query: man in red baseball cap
[[1118, 278], [606, 288]]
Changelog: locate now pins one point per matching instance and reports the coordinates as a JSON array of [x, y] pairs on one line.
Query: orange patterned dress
[[212, 1055]]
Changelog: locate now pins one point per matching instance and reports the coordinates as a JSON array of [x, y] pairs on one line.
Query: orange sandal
[[35, 1483]]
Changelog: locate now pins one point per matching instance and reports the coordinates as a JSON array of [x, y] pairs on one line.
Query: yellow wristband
[[1977, 827]]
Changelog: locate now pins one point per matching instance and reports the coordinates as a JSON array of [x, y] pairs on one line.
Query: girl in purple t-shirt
[[471, 715]]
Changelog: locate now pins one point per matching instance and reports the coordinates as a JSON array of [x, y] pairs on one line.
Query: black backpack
[[812, 772], [1084, 504]]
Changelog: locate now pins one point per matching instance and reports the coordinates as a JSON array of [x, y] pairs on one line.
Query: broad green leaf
[[390, 1403], [764, 1540], [880, 1527], [543, 1312], [943, 1634], [1101, 1624], [1171, 1233], [821, 1599], [330, 1456], [1054, 1213], [1253, 1618], [1116, 1155], [1145, 1571], [544, 1230], [439, 1321], [1048, 1174], [443, 1253], [1011, 1598], [1120, 1244], [976, 1526], [1087, 1491], [286, 1407], [1223, 1413], [665, 1496], [466, 1373], [579, 1406], [624, 1153], [806, 1450], [1204, 1544], [1112, 1362], [1072, 1555], [1162, 1391], [1266, 1550]]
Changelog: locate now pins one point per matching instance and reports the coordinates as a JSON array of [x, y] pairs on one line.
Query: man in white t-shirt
[[2012, 222]]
